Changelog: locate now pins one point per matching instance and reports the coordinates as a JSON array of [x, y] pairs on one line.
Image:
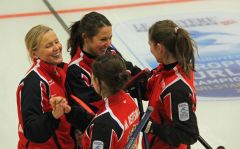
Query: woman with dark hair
[[89, 38], [117, 116], [170, 90]]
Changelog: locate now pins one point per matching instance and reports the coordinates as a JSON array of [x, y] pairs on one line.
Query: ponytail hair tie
[[176, 29]]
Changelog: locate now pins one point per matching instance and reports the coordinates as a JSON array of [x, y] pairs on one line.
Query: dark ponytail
[[185, 48], [75, 39]]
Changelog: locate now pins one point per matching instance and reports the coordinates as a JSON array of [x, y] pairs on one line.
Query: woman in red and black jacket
[[40, 126], [117, 116], [170, 90], [90, 37]]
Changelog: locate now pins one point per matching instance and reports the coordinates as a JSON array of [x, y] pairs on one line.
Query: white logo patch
[[97, 145], [183, 111]]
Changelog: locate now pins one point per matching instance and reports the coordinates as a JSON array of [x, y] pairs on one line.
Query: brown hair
[[177, 41], [111, 69]]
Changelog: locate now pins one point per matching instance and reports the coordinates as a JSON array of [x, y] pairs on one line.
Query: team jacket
[[173, 97], [78, 79], [37, 127], [112, 125]]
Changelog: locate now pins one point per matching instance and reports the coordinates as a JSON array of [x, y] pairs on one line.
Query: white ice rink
[[218, 115]]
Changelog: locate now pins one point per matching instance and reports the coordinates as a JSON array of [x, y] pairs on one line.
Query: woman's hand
[[59, 106]]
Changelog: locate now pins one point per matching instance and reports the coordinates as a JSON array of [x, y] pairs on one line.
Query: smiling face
[[50, 49], [98, 44]]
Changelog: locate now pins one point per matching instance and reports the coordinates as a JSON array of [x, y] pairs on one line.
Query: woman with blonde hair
[[41, 126]]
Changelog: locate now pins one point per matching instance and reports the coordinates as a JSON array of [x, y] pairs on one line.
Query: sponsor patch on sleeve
[[183, 111], [97, 144]]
